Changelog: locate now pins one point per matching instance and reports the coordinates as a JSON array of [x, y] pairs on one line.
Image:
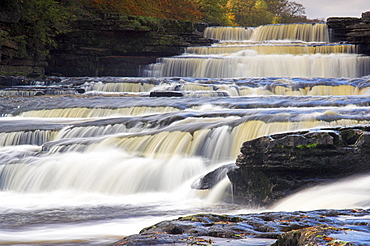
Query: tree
[[260, 12], [168, 9], [292, 12], [251, 12], [215, 12], [241, 10], [40, 21]]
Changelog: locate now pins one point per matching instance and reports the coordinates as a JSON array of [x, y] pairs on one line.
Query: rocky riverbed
[[322, 227]]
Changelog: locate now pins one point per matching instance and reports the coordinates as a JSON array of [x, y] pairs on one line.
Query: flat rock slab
[[322, 227]]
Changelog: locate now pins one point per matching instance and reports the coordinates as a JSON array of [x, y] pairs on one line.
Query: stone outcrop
[[351, 30], [273, 167], [360, 34], [100, 44], [113, 45], [325, 227], [338, 27]]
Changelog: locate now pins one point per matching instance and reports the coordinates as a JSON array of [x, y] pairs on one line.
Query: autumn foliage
[[219, 12], [167, 9]]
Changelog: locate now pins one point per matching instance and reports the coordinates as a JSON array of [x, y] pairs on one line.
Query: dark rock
[[295, 228], [80, 90], [33, 75], [318, 235], [8, 81], [275, 166], [338, 27], [352, 30], [118, 46], [212, 178], [165, 94], [366, 17]]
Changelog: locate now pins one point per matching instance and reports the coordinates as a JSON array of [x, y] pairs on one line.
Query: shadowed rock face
[[352, 30], [275, 166]]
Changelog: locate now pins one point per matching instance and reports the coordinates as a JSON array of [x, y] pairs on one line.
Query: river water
[[88, 169]]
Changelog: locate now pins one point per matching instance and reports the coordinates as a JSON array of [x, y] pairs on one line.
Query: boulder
[[212, 178], [273, 167]]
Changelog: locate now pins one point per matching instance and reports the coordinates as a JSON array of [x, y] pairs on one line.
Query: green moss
[[308, 146]]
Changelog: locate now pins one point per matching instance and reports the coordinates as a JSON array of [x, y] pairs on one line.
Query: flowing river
[[88, 169]]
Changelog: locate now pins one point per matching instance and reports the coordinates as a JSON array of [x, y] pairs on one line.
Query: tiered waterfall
[[90, 168]]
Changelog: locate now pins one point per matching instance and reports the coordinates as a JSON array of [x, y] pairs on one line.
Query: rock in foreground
[[324, 227]]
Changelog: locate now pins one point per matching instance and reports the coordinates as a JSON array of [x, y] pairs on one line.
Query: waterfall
[[126, 153], [268, 49], [250, 64], [284, 50], [315, 32], [228, 33]]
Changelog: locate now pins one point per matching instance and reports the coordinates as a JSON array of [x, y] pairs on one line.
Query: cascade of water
[[228, 33], [199, 133], [315, 32], [36, 137], [95, 112], [35, 92], [112, 173], [268, 49], [242, 87], [250, 64], [118, 87], [284, 50]]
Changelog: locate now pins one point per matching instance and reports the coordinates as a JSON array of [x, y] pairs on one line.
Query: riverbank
[[322, 227]]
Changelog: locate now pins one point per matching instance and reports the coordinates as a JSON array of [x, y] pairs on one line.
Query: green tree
[[241, 10], [260, 12], [40, 22], [252, 12], [215, 12]]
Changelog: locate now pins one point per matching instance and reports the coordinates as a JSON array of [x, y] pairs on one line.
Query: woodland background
[[28, 27]]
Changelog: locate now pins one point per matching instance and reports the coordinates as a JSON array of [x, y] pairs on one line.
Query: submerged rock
[[165, 94], [273, 167]]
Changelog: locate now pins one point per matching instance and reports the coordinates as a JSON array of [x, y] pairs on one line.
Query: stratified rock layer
[[351, 30], [273, 167], [111, 45]]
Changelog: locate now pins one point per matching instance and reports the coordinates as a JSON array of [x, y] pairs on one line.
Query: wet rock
[[311, 236], [212, 178], [165, 94], [276, 166], [283, 228], [8, 81]]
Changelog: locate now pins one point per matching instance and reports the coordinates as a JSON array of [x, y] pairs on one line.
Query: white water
[[353, 192]]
